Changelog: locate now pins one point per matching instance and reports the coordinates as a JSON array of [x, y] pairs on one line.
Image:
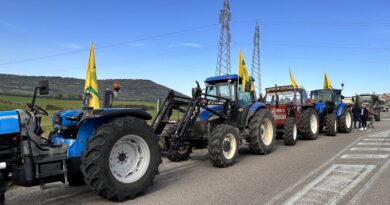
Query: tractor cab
[[227, 90], [326, 95], [284, 101]]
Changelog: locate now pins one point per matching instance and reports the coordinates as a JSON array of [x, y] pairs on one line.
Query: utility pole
[[256, 72], [223, 59]]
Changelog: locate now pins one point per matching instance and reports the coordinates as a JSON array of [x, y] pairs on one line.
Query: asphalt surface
[[350, 168]]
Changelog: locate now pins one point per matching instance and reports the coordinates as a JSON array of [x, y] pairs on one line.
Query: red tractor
[[294, 113]]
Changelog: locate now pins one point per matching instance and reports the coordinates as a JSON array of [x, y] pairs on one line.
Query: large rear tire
[[290, 132], [310, 124], [262, 132], [121, 159], [345, 122], [184, 151], [75, 177], [223, 146], [330, 122], [2, 189]]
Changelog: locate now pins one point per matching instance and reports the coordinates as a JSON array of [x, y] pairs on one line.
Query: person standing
[[356, 116], [363, 117]]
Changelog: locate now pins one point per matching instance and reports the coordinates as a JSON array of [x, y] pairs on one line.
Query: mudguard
[[252, 110], [9, 122], [341, 108]]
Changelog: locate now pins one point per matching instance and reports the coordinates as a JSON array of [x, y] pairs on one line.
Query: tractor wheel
[[378, 116], [121, 159], [2, 189], [345, 122], [330, 122], [223, 146], [290, 132], [310, 124], [75, 177], [184, 151], [262, 132]]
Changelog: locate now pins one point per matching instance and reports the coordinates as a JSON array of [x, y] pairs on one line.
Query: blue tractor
[[114, 151], [335, 115], [220, 118]]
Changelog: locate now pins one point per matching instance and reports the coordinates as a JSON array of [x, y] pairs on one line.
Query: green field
[[54, 105]]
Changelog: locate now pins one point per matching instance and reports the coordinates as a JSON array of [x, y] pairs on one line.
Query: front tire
[[184, 151], [345, 122], [290, 132], [121, 159], [310, 124], [262, 132], [223, 146], [378, 116], [330, 125]]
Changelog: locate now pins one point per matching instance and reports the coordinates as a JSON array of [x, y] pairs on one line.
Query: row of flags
[[247, 83], [327, 83], [91, 84]]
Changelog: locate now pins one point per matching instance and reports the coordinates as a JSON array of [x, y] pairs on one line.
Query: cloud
[[72, 46], [193, 45], [10, 25]]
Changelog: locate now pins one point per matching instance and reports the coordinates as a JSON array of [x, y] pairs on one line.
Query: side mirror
[[43, 87]]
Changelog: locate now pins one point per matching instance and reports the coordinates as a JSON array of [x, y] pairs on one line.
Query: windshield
[[221, 90], [365, 99], [322, 96], [285, 97]]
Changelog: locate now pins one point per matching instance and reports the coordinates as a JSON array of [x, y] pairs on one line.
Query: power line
[[109, 45], [318, 46]]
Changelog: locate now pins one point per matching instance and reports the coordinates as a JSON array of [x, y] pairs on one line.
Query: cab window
[[244, 98], [220, 90]]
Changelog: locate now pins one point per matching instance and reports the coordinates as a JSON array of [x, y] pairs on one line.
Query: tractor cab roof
[[223, 78], [283, 88], [335, 91]]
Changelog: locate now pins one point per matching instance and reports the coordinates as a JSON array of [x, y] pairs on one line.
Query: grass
[[17, 102]]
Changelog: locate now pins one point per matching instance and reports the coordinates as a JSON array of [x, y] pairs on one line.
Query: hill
[[72, 88]]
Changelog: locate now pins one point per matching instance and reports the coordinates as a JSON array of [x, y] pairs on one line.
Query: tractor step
[[50, 165]]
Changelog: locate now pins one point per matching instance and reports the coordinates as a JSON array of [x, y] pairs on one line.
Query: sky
[[175, 42]]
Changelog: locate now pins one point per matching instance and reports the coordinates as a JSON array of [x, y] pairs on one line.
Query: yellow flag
[[293, 83], [247, 84], [91, 85], [327, 84]]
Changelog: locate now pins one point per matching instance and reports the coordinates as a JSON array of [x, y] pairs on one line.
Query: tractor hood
[[9, 122], [204, 114]]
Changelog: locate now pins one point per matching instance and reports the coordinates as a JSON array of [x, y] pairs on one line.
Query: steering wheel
[[38, 109]]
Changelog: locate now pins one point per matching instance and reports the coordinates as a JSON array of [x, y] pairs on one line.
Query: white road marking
[[364, 156], [377, 139], [310, 174], [381, 135], [332, 185], [373, 143], [367, 186], [370, 149]]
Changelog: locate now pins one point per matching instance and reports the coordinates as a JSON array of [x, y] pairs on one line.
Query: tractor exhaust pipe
[[3, 165]]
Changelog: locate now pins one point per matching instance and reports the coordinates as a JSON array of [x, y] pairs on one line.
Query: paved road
[[347, 169]]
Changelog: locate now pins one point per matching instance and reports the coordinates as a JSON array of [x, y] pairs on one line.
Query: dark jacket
[[364, 114], [356, 112]]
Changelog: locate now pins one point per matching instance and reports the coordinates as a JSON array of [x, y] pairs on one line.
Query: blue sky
[[349, 39]]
